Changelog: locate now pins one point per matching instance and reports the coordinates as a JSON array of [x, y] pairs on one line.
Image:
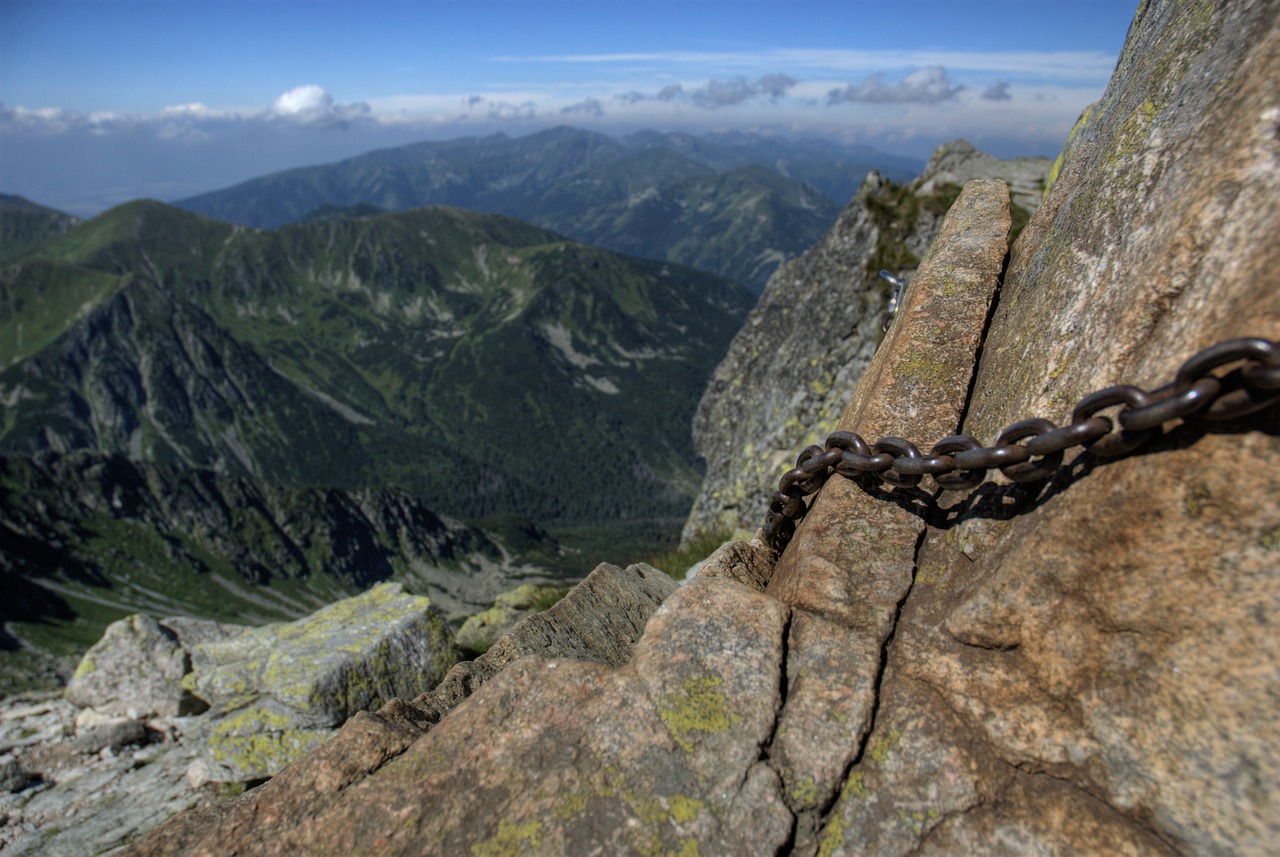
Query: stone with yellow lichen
[[277, 691]]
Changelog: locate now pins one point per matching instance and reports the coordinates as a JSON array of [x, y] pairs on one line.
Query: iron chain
[[1032, 449]]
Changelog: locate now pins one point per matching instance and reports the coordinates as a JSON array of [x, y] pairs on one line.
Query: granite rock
[[599, 620], [277, 691], [134, 669]]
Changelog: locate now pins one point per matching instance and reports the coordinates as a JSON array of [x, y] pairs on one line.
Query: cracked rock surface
[[1088, 664]]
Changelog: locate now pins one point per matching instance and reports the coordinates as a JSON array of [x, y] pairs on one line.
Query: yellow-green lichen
[[266, 753], [805, 792], [684, 809], [698, 706], [918, 819], [85, 667], [931, 571], [1271, 539], [510, 840], [884, 745], [855, 786], [688, 848], [1195, 500], [832, 838], [921, 368]]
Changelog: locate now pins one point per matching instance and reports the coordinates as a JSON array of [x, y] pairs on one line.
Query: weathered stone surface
[[850, 565], [562, 756], [278, 691], [134, 670], [70, 797], [1094, 661], [599, 620]]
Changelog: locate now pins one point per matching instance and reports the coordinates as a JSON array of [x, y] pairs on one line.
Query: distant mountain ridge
[[588, 185]]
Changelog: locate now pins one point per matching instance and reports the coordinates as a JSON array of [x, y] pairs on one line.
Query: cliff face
[[1081, 664], [798, 357]]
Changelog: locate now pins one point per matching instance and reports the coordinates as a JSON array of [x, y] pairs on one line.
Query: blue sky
[[105, 101]]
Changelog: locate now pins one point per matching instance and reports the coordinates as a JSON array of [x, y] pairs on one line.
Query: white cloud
[[313, 105]]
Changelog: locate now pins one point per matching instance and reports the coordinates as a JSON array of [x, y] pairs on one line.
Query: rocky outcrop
[[134, 669], [1083, 664], [960, 162], [598, 621], [482, 630], [167, 715], [794, 364]]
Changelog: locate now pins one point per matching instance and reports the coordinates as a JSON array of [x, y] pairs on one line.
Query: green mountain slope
[[483, 364]]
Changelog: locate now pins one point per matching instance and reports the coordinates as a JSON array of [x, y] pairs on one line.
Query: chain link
[[1031, 450]]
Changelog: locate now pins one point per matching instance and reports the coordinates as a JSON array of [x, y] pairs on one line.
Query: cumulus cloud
[[929, 85], [313, 105], [670, 92], [998, 91], [586, 107]]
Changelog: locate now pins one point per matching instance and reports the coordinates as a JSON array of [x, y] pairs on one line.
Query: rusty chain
[[1032, 449]]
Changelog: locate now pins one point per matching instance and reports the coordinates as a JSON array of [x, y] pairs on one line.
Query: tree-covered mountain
[[478, 362], [587, 184]]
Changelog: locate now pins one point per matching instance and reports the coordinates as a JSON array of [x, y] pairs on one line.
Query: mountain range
[[733, 204]]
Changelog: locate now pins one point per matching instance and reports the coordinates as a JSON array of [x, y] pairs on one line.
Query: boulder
[[134, 670], [96, 731], [482, 630], [277, 691]]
